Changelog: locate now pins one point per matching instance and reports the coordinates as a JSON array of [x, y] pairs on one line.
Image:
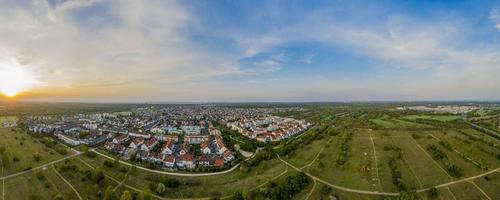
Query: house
[[228, 156], [169, 161], [187, 160], [169, 137], [184, 148], [168, 147], [195, 139], [220, 145], [142, 135], [109, 145], [205, 147], [149, 144], [120, 139], [119, 148], [68, 140], [143, 155], [136, 143], [219, 163], [203, 160]]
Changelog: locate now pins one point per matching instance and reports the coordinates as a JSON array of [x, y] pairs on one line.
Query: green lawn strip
[[63, 189], [117, 172], [490, 184], [87, 188], [327, 158], [383, 123], [469, 169], [306, 154], [23, 147], [357, 172], [212, 186], [24, 186], [408, 124], [442, 118], [475, 150], [423, 166], [486, 138], [466, 190], [384, 170]]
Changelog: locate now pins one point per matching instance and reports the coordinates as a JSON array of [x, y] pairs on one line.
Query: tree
[[432, 193], [127, 195], [146, 195], [238, 196], [98, 176], [160, 188], [6, 159], [108, 194]]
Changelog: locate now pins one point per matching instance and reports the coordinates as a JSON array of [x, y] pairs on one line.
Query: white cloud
[[139, 43], [307, 59], [495, 18]]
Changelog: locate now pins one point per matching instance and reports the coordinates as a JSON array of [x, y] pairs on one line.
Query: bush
[[37, 157], [40, 176], [432, 193]]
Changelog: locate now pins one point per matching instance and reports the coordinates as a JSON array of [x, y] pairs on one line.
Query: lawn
[[465, 190], [476, 150], [306, 154], [469, 169], [23, 147], [383, 157], [24, 186], [442, 118], [358, 172], [490, 184], [423, 166]]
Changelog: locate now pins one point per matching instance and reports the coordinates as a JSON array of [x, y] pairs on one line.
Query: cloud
[[495, 18], [134, 43], [307, 59]]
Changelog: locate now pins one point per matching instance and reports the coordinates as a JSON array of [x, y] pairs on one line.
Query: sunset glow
[[14, 79]]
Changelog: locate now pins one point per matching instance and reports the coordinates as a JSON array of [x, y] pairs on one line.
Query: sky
[[246, 51]]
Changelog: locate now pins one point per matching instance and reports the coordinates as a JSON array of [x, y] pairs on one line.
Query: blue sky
[[102, 50]]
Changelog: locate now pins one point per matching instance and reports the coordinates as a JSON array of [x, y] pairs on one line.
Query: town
[[173, 137]]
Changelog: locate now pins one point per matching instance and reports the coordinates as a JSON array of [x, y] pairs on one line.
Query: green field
[[7, 118], [442, 118], [21, 149]]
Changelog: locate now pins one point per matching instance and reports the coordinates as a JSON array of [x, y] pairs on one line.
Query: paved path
[[171, 173], [67, 182], [39, 167], [312, 190]]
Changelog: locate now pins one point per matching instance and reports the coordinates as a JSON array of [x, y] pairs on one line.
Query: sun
[[14, 79]]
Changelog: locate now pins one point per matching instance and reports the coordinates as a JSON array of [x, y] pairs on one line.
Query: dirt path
[[67, 182], [317, 155], [430, 157], [376, 163], [477, 186], [312, 190]]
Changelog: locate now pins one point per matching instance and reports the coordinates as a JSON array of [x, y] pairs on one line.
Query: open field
[[442, 118], [26, 151], [7, 118]]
